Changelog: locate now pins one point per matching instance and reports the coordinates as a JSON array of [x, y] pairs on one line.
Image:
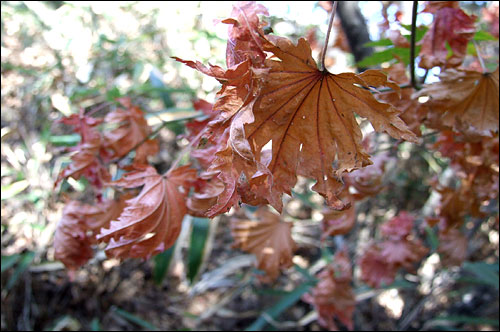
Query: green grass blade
[[24, 263], [199, 236], [161, 264], [134, 319], [9, 261], [284, 303]]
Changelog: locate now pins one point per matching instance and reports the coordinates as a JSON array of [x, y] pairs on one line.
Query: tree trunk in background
[[355, 28]]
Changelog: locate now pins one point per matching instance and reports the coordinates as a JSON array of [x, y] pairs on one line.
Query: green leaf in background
[[95, 325], [487, 273], [134, 319], [465, 320], [24, 263], [387, 55], [161, 264], [432, 238], [419, 32], [284, 303], [381, 42], [9, 261], [11, 190], [199, 236], [483, 35], [65, 140]]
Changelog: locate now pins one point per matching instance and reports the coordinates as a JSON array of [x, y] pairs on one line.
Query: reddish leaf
[[85, 161], [399, 227], [376, 271], [333, 295], [451, 26], [77, 228], [151, 221], [244, 42], [268, 238], [132, 130]]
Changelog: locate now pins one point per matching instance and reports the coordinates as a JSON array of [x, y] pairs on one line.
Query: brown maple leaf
[[268, 238], [451, 26], [132, 130], [309, 117], [150, 222], [465, 97], [333, 295], [76, 231]]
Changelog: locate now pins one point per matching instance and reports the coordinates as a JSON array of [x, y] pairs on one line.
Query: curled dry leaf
[[337, 222], [333, 295], [151, 221], [85, 161], [413, 113], [451, 26], [308, 115], [243, 39], [452, 247], [381, 261], [75, 232], [268, 238], [368, 181], [465, 97], [132, 130]]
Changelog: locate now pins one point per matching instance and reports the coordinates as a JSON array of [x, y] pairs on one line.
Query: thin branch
[[479, 56], [412, 46], [325, 46]]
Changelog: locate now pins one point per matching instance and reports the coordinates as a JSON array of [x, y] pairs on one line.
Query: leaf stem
[[481, 61], [325, 46], [412, 45]]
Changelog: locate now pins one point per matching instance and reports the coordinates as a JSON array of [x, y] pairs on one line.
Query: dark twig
[[325, 46], [412, 46]]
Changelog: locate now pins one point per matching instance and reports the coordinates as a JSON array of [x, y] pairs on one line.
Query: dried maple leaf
[[452, 247], [380, 261], [77, 228], [150, 222], [85, 161], [466, 96], [368, 181], [398, 227], [451, 26], [333, 295], [132, 130], [339, 222], [243, 41], [268, 238], [413, 113], [375, 270], [309, 117]]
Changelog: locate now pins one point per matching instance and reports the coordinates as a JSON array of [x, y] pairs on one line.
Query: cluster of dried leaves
[[277, 117]]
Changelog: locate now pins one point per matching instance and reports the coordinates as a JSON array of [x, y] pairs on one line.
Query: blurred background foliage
[[60, 56]]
